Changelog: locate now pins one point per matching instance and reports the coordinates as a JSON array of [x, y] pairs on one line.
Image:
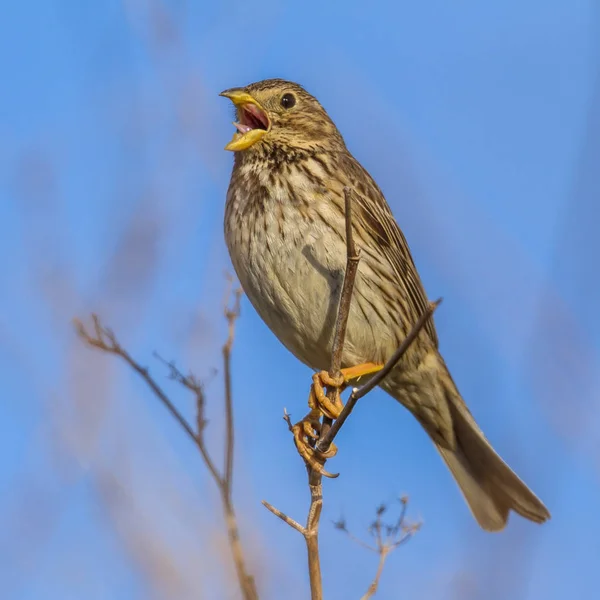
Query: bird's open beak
[[254, 122]]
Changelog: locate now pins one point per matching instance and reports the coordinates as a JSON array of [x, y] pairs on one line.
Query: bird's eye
[[288, 101]]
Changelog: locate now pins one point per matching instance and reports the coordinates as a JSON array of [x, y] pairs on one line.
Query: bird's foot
[[317, 398], [332, 407], [306, 432]]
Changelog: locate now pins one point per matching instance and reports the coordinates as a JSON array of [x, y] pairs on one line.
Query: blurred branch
[[327, 429], [231, 314], [387, 537], [375, 584], [102, 338]]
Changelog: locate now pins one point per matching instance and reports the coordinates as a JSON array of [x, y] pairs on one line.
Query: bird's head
[[280, 113]]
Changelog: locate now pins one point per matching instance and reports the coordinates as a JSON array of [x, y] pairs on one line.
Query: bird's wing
[[371, 211]]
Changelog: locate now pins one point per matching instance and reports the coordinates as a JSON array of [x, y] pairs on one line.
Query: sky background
[[481, 123]]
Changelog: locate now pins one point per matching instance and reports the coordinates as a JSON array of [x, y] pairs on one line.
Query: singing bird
[[285, 231]]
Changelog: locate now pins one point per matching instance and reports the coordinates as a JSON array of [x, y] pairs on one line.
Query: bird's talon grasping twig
[[318, 400], [305, 433]]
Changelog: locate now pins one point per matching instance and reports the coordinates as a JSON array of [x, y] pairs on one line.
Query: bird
[[284, 227]]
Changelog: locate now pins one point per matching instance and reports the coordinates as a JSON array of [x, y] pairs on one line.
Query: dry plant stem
[[105, 340], [383, 554], [326, 439], [311, 536], [387, 537], [246, 580], [352, 260], [312, 540], [231, 316]]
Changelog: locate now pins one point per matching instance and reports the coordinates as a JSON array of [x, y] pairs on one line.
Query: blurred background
[[480, 121]]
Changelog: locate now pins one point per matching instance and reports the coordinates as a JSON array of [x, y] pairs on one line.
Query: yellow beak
[[242, 141]]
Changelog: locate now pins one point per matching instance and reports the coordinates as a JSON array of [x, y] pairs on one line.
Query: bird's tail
[[490, 487]]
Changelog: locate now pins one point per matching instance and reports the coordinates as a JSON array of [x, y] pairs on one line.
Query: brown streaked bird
[[285, 230]]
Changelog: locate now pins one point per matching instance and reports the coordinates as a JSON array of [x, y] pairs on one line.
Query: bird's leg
[[358, 371], [332, 408], [317, 398], [306, 432]]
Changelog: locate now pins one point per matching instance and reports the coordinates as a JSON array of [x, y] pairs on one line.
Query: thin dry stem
[[352, 260], [284, 517], [375, 583], [387, 537], [246, 580], [193, 385], [231, 315], [105, 340]]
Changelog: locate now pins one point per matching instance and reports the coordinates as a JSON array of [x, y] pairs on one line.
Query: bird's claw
[[318, 400], [306, 432]]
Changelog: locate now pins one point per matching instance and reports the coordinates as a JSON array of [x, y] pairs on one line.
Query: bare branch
[[312, 536], [341, 526], [337, 351], [352, 260], [245, 579], [385, 551], [284, 517], [387, 538], [231, 315], [105, 340], [401, 517]]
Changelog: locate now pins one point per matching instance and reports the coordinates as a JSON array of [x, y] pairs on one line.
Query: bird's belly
[[294, 285], [294, 277]]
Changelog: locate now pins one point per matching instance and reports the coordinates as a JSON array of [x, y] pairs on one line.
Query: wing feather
[[373, 213]]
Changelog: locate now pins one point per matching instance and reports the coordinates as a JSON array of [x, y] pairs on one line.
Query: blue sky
[[481, 123]]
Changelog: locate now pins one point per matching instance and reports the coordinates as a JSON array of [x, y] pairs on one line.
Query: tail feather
[[488, 484]]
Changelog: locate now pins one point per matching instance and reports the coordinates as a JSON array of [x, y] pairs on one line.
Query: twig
[[284, 517], [375, 584], [387, 537], [357, 393], [104, 339], [193, 385], [352, 260], [248, 585], [341, 526], [231, 315], [312, 539]]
